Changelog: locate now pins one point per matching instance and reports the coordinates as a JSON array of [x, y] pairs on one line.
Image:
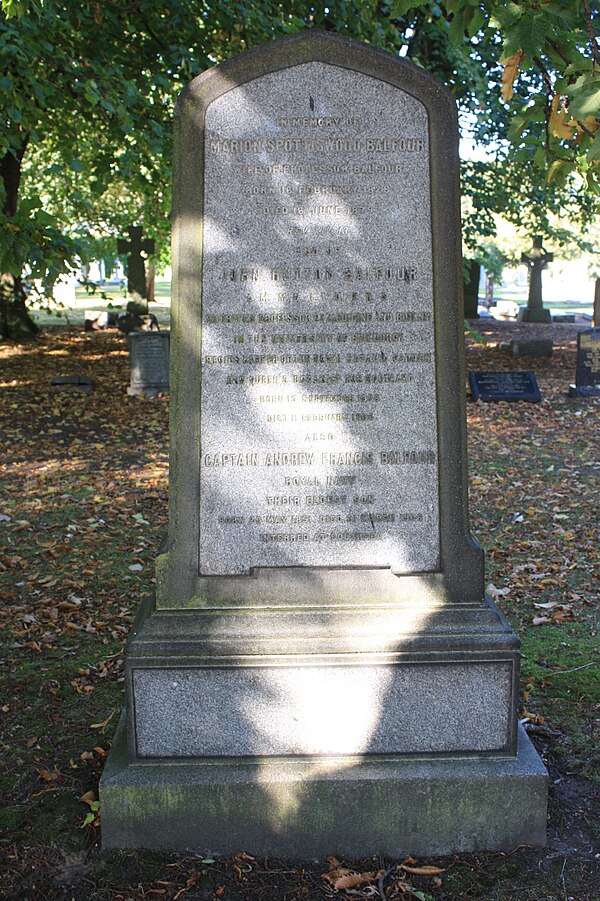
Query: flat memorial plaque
[[510, 386], [318, 429]]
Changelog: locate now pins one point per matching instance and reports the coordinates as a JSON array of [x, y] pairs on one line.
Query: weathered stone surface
[[314, 807], [286, 709], [318, 400], [266, 227]]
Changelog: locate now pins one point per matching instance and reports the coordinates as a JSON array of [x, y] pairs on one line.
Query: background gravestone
[[536, 261], [587, 374], [320, 668], [136, 249], [149, 352]]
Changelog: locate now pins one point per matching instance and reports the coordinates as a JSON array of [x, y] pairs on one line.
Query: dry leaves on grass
[[374, 881]]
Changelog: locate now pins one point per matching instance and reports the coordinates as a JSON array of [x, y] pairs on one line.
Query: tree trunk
[[596, 319], [150, 280], [15, 322]]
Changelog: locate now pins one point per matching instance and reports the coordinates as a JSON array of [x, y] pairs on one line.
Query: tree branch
[[545, 75], [558, 50], [592, 33], [549, 93]]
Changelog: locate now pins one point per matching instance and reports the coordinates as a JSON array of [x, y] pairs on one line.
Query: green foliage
[[31, 242], [14, 9], [88, 90]]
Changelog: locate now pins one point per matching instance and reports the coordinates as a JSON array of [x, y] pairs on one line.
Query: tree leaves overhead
[[88, 89]]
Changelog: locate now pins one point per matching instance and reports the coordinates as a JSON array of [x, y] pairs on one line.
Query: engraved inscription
[[318, 427]]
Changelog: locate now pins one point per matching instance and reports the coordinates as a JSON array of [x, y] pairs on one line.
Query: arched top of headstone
[[331, 49]]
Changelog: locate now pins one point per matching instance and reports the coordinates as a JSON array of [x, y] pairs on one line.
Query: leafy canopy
[[88, 90]]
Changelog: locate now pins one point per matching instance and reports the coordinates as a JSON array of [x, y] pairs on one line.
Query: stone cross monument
[[136, 267], [320, 669], [536, 260]]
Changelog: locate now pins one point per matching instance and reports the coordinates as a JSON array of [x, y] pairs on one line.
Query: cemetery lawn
[[82, 511]]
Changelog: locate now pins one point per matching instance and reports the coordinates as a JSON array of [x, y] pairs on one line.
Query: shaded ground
[[82, 512]]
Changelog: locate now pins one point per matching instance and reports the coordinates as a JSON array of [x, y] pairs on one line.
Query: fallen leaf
[[341, 878], [104, 723], [423, 871]]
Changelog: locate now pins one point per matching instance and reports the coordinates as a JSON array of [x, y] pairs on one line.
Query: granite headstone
[[149, 352], [320, 668]]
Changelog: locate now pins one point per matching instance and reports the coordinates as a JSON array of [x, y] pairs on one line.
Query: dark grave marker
[[510, 386], [81, 383], [149, 353], [587, 374]]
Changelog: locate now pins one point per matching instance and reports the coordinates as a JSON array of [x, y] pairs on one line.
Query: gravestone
[[536, 260], [532, 347], [490, 385], [471, 290], [587, 374], [149, 352], [81, 384], [320, 668], [563, 317], [136, 249]]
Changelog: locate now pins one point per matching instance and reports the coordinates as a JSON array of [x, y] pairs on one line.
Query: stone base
[[310, 807], [534, 315], [148, 391], [584, 391]]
